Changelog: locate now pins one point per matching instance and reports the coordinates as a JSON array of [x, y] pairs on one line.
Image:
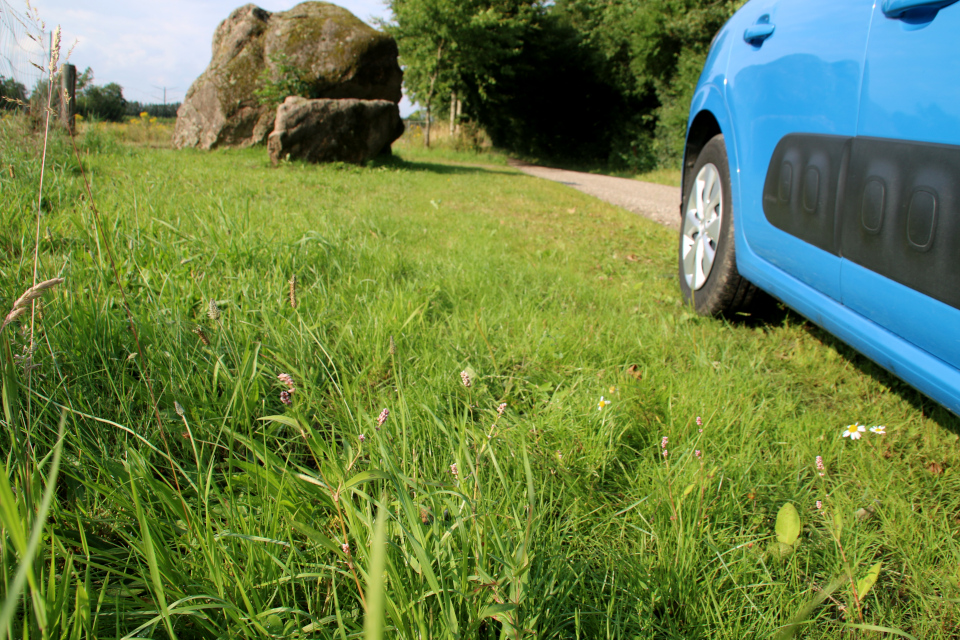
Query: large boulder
[[335, 55], [334, 130]]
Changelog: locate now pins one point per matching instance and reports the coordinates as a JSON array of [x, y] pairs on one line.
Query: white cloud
[[145, 46]]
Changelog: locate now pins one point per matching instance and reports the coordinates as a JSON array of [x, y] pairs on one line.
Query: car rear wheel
[[709, 279]]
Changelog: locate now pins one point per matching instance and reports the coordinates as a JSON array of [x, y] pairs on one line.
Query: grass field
[[593, 505]]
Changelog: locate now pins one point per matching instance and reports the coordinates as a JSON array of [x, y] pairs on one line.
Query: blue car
[[822, 165]]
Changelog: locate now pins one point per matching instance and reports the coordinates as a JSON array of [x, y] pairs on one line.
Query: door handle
[[896, 8], [755, 34]]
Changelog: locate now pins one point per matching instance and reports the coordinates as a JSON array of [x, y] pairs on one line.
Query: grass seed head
[[393, 347], [213, 311], [31, 294], [55, 50], [293, 292], [202, 335]]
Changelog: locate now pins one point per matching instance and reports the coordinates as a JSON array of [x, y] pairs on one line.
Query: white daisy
[[602, 404], [854, 431], [879, 429]]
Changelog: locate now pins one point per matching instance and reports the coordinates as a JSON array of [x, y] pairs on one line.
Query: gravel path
[[658, 202]]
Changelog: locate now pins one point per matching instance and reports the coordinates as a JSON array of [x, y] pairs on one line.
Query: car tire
[[709, 279]]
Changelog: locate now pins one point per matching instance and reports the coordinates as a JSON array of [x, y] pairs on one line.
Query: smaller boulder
[[333, 130]]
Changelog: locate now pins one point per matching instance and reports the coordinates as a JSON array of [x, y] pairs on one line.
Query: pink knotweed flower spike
[[698, 453], [286, 397], [453, 469], [819, 504], [699, 421], [382, 417], [286, 379], [363, 438], [465, 378], [501, 408]]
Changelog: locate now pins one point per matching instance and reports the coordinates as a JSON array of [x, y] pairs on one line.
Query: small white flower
[[879, 429], [602, 404], [854, 431]]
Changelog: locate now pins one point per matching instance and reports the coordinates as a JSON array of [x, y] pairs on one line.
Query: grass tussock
[[430, 399]]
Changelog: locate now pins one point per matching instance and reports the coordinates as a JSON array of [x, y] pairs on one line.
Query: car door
[[794, 81], [901, 211]]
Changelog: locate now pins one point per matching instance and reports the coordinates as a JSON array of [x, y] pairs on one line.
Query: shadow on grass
[[399, 164], [768, 312]]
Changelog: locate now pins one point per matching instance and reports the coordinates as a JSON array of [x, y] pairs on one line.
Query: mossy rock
[[338, 55]]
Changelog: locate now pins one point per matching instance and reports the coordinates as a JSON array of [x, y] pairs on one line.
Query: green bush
[[102, 102]]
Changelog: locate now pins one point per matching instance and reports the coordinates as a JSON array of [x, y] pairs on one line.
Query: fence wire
[[24, 48]]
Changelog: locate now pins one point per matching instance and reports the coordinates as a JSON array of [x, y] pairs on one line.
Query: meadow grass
[[559, 516]]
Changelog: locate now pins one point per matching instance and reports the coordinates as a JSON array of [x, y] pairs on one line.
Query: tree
[[85, 79], [105, 102], [594, 80], [446, 44]]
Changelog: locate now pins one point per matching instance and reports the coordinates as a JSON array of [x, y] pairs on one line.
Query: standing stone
[[333, 130], [334, 53]]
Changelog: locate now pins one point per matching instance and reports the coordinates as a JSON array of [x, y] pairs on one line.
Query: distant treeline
[[153, 110], [99, 102], [594, 80]]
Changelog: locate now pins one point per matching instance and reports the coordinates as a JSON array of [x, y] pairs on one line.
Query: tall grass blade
[[374, 618], [13, 521]]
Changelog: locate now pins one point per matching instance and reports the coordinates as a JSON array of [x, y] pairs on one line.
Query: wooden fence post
[[68, 91]]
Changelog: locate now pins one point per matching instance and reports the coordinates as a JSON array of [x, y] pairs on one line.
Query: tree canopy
[[589, 79], [446, 45], [105, 102]]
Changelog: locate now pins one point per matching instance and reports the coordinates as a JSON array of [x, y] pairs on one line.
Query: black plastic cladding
[[888, 205]]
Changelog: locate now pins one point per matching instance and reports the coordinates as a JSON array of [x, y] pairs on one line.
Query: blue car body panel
[[804, 78], [845, 71], [911, 91]]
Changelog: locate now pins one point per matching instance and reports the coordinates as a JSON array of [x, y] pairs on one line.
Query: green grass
[[562, 521], [669, 177]]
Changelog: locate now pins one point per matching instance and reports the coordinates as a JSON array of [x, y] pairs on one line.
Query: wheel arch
[[703, 127]]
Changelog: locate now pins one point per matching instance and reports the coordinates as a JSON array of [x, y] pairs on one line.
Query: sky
[[148, 45]]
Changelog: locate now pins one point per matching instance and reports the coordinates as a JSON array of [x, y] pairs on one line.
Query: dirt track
[[655, 201]]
